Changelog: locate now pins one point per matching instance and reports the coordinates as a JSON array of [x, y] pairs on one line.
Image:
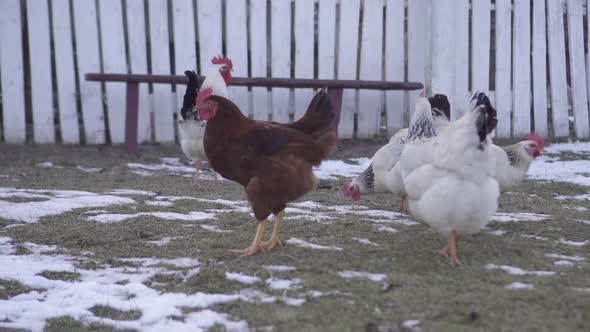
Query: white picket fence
[[453, 46]]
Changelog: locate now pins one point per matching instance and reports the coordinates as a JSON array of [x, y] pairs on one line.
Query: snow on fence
[[531, 56]]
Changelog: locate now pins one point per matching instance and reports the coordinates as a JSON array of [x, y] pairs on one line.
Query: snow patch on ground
[[520, 216], [58, 202], [410, 324], [518, 271], [158, 203], [332, 169], [90, 169], [110, 286], [131, 192], [215, 229], [583, 197], [566, 257], [554, 169], [364, 275], [48, 164], [519, 285], [241, 278], [386, 229], [116, 217], [163, 241], [573, 243], [576, 147], [304, 244], [283, 284], [365, 241], [497, 232], [563, 263], [278, 268]]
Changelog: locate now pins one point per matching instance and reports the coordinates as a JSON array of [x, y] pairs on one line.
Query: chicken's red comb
[[536, 138], [422, 93], [203, 95], [345, 188], [222, 60]]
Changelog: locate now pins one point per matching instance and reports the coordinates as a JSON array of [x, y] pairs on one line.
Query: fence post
[[131, 117]]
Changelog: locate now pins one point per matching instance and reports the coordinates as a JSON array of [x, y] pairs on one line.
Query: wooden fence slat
[[539, 54], [503, 56], [162, 99], [304, 59], [11, 71], [185, 48], [327, 39], [113, 61], [559, 103], [395, 63], [40, 62], [347, 63], [87, 52], [258, 26], [281, 57], [522, 68], [64, 70], [443, 64], [371, 101], [480, 45], [419, 27], [587, 44], [138, 64], [461, 46], [236, 39], [577, 59]]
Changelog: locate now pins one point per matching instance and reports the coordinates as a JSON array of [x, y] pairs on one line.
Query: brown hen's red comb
[[536, 138], [203, 95], [222, 60]]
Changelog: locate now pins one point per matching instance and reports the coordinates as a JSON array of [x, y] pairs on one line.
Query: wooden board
[[236, 40], [461, 46], [326, 39], [443, 63], [87, 53], [258, 33], [281, 57], [395, 63], [347, 62], [114, 61], [138, 64], [40, 62], [371, 101], [64, 70], [539, 55], [304, 59], [556, 47], [185, 43], [578, 67], [419, 24], [503, 69], [480, 45], [521, 81], [11, 72], [163, 99]]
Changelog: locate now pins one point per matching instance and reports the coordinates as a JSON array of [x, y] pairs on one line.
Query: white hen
[[512, 162], [378, 177], [455, 192], [191, 130]]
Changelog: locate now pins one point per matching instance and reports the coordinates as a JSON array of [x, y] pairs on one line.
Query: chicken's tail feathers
[[190, 94], [323, 113]]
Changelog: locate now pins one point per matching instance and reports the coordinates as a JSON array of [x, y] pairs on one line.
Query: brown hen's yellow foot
[[250, 251], [215, 179], [274, 238], [256, 245], [272, 243], [443, 252]]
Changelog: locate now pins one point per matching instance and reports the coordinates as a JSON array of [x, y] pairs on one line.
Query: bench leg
[[336, 99], [131, 117]]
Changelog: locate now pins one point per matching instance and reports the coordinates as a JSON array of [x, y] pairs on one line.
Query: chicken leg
[[403, 205], [256, 245], [450, 250], [215, 179], [274, 241], [197, 174]]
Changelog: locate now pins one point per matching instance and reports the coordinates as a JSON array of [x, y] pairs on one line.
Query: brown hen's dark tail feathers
[[321, 114]]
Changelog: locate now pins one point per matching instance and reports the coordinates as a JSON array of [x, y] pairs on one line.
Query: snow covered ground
[[142, 283]]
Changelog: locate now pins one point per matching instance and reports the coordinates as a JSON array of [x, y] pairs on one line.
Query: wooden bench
[[334, 89]]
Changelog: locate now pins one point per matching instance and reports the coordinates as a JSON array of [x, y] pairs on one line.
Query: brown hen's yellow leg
[[197, 174], [256, 245], [274, 238], [452, 249], [215, 179]]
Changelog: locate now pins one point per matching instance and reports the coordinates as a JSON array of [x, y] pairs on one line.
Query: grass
[[419, 285]]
